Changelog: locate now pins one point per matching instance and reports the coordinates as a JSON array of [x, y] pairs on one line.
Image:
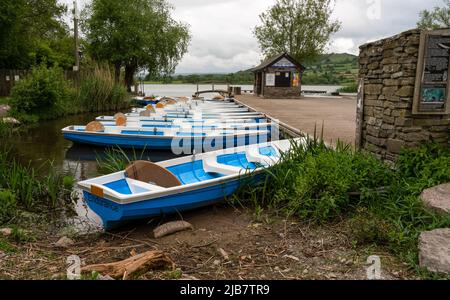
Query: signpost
[[432, 94]]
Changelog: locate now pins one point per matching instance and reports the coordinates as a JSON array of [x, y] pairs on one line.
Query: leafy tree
[[135, 35], [439, 17], [300, 27], [32, 31]]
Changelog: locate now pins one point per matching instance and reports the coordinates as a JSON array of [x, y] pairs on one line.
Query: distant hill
[[334, 68], [331, 69]]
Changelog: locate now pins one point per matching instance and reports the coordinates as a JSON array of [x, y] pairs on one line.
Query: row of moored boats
[[231, 142]]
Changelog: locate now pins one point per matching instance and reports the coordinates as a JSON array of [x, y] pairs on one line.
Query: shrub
[[41, 95]]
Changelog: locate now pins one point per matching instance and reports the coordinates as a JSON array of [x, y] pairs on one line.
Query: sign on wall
[[270, 79], [284, 63], [432, 81]]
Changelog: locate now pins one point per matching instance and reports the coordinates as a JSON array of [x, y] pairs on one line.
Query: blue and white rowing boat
[[146, 190], [200, 125], [162, 138], [248, 117]]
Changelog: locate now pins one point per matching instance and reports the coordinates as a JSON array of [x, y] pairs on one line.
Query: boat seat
[[211, 165], [151, 173], [95, 127], [266, 155]]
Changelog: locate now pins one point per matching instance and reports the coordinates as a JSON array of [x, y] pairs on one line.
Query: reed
[[98, 90], [30, 190], [116, 159]]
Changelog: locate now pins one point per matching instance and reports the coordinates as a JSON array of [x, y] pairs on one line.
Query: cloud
[[222, 38]]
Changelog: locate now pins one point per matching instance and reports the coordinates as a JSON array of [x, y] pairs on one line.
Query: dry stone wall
[[388, 70]]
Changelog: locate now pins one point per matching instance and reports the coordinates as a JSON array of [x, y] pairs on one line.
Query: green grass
[[4, 100], [321, 185]]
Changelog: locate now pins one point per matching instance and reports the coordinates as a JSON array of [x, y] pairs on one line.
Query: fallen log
[[135, 265]]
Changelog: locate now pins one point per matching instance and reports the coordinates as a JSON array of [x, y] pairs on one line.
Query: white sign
[[16, 77], [270, 79], [284, 63], [8, 78]]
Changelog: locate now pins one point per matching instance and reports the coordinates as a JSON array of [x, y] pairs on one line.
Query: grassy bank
[[4, 100], [319, 185]]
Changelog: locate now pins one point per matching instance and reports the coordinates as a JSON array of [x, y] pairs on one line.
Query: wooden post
[[77, 45]]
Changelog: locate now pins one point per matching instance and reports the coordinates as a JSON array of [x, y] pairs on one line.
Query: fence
[[8, 78]]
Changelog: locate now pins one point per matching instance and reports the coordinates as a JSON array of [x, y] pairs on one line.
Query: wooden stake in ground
[[134, 265]]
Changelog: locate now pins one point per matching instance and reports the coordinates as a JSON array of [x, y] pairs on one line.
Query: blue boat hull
[[155, 142], [114, 214]]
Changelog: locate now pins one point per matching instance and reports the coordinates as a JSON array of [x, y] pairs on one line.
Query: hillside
[[339, 69], [331, 69]]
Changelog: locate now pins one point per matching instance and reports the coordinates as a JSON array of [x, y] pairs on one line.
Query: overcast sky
[[222, 39]]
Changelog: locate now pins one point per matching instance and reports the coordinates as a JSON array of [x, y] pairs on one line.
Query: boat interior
[[146, 177]]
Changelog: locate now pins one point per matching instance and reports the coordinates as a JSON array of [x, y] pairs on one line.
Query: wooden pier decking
[[338, 114]]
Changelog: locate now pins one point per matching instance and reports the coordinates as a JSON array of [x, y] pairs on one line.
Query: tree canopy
[[301, 28], [32, 31], [437, 18], [135, 35]]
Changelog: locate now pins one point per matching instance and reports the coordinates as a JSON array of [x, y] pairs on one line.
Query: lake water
[[178, 90]]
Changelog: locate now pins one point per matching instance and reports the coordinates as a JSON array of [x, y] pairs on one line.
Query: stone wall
[[282, 92], [388, 70]]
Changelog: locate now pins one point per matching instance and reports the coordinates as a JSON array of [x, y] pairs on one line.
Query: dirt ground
[[338, 114], [272, 249]]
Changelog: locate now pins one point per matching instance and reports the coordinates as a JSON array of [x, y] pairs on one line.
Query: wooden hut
[[278, 77]]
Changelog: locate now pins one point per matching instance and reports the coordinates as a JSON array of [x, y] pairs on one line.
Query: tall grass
[[98, 90], [318, 184], [116, 159], [31, 191]]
